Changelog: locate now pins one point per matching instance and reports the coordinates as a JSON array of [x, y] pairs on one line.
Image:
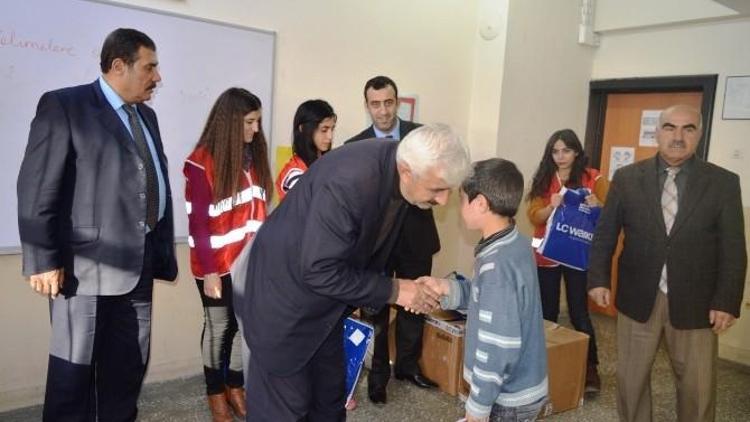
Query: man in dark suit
[[95, 219], [322, 252], [411, 257], [682, 270]]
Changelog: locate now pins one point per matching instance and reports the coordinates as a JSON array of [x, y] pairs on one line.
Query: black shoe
[[377, 395], [417, 379], [593, 382]]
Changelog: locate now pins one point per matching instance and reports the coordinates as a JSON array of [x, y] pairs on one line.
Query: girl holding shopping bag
[[564, 164]]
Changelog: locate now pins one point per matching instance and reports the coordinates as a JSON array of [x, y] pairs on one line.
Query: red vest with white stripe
[[232, 221], [289, 175]]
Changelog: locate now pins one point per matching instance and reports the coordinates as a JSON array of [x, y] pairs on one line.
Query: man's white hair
[[681, 108], [435, 146]]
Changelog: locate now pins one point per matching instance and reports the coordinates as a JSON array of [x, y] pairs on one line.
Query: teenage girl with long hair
[[565, 164], [228, 186]]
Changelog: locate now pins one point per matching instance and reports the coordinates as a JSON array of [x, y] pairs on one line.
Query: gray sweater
[[505, 357]]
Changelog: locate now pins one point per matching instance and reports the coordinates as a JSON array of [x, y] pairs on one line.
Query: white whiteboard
[[51, 44]]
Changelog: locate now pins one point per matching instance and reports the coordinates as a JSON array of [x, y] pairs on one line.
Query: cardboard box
[[566, 360], [443, 352]]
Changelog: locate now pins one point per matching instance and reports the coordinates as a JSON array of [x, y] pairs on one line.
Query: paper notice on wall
[[620, 157], [737, 98], [649, 123]]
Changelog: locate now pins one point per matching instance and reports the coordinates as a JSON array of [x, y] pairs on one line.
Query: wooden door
[[622, 134]]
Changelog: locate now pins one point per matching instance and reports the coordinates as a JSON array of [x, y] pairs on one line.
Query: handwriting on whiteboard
[[10, 39]]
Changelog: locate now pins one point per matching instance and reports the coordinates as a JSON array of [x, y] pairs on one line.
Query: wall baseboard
[[735, 355], [22, 397], [157, 372]]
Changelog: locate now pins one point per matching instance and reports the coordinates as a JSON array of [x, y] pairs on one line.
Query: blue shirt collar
[[112, 97], [395, 133]]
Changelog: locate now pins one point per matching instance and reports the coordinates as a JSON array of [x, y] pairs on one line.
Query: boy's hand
[[600, 295], [469, 418]]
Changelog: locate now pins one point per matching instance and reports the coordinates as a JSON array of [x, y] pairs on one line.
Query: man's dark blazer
[[313, 257], [80, 196], [705, 251], [419, 238]]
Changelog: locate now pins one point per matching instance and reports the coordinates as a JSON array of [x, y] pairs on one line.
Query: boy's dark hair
[[499, 181], [123, 43], [379, 82]]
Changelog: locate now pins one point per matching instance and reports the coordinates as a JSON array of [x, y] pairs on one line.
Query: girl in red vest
[[312, 129], [564, 164], [228, 185]]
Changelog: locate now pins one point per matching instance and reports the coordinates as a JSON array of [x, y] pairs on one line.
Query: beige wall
[[486, 72], [328, 49], [612, 15], [545, 82]]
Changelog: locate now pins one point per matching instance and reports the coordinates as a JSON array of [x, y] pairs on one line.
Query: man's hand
[[600, 295], [720, 320], [438, 285], [212, 286], [48, 283], [417, 297], [593, 201]]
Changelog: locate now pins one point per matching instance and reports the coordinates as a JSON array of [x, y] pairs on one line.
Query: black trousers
[[576, 294], [221, 341], [99, 351], [409, 328], [314, 394]]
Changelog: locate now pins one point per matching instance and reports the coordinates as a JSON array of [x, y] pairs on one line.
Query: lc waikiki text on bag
[[570, 230]]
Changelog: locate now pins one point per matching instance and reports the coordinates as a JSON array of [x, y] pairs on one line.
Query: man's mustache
[[677, 143]]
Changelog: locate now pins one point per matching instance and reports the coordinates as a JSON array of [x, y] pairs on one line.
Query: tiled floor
[[183, 400]]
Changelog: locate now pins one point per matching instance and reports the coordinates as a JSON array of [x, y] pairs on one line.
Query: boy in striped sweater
[[505, 358]]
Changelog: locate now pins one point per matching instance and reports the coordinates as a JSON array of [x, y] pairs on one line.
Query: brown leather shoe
[[236, 399], [219, 408]]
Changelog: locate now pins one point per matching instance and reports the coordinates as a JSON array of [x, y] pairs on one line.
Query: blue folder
[[357, 337]]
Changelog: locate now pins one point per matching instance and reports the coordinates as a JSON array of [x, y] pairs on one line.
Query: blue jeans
[[525, 413]]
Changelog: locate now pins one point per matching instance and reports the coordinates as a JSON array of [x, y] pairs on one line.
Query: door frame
[[600, 89]]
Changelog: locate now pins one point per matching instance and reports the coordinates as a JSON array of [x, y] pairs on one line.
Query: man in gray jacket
[[681, 273]]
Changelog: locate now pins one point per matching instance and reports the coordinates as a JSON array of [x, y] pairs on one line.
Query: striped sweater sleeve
[[457, 298], [498, 346]]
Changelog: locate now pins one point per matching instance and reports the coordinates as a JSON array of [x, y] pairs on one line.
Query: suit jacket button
[[142, 195], [140, 166]]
